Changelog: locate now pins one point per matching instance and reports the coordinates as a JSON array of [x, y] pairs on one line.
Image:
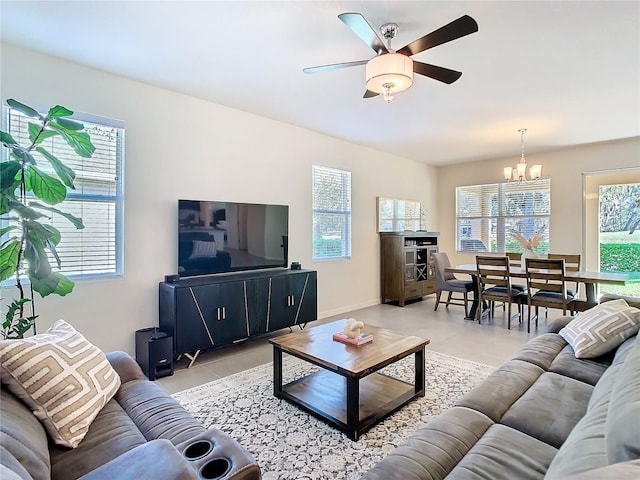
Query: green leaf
[[7, 229], [79, 141], [23, 155], [77, 222], [45, 285], [21, 107], [65, 285], [14, 325], [21, 327], [7, 140], [9, 259], [44, 235], [24, 211], [52, 248], [5, 199], [47, 188], [36, 258], [8, 174], [66, 174], [37, 135], [14, 307], [59, 111], [69, 124], [43, 231]]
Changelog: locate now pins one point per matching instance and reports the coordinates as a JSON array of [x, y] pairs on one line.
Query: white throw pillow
[[601, 328], [61, 377], [203, 250]]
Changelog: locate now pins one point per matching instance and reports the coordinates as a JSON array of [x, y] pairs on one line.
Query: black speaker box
[[154, 352], [171, 278]]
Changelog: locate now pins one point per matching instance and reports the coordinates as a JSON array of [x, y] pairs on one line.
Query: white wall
[[182, 147], [564, 166]]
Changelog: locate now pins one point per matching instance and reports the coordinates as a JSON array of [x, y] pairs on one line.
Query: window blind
[[331, 213], [97, 198], [486, 215]]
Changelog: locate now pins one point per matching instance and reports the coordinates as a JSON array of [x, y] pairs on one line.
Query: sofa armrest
[[558, 324], [217, 455], [157, 459], [125, 366]]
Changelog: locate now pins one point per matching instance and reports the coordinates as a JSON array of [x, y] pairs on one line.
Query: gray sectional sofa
[[544, 414], [140, 433]]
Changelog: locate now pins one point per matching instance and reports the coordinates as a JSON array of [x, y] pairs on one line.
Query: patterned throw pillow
[[601, 328], [61, 377], [203, 250]]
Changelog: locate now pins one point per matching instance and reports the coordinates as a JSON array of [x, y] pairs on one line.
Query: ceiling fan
[[391, 71]]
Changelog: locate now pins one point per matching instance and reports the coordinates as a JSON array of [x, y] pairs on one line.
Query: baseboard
[[347, 308]]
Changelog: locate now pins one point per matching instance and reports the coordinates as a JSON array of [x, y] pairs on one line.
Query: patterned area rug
[[290, 444]]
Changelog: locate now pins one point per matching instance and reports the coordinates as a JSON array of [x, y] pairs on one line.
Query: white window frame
[[115, 224], [342, 212], [487, 217]]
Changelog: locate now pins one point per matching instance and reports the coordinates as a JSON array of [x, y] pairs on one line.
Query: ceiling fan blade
[[334, 66], [461, 27], [441, 74], [362, 29], [370, 94]]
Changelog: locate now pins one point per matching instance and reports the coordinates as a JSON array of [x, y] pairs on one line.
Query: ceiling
[[569, 71]]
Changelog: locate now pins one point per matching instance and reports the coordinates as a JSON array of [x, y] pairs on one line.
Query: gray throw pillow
[[602, 328]]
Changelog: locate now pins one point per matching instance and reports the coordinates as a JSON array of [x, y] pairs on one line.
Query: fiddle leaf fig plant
[[28, 194]]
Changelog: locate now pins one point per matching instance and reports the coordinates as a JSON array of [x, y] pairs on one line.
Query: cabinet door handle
[[224, 313], [290, 300]]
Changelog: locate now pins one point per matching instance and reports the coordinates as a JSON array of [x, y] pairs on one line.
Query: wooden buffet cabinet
[[406, 267]]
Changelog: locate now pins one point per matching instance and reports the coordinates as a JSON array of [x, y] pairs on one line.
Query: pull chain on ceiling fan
[[390, 72]]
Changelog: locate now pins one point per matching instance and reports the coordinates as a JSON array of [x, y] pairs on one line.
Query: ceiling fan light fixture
[[389, 72]]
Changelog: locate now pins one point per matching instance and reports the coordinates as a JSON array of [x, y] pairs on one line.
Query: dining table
[[590, 280]]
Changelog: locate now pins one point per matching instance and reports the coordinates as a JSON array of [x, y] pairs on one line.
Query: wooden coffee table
[[348, 392]]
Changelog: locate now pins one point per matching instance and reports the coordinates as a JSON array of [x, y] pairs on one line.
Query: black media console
[[212, 311]]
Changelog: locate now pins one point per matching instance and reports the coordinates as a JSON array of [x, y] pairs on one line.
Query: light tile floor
[[489, 343]]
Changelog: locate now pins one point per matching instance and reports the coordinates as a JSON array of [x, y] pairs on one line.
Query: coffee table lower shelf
[[324, 395]]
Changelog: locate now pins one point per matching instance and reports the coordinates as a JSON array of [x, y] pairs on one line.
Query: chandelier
[[519, 173]]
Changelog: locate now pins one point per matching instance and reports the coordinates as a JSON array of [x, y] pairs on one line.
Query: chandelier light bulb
[[388, 92], [508, 171]]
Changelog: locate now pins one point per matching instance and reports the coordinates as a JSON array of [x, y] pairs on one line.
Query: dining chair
[[514, 261], [571, 264], [514, 258], [447, 282], [494, 284], [547, 286]]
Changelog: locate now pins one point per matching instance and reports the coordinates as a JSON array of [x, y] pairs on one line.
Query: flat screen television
[[217, 237]]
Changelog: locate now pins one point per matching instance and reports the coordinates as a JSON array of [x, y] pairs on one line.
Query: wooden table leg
[[474, 304], [420, 379], [590, 291], [277, 372], [353, 408]]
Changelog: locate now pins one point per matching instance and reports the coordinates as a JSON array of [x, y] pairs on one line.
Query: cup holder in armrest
[[216, 468], [198, 449], [214, 455]]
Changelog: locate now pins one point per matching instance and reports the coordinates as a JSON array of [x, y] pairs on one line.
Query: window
[[97, 198], [487, 215], [331, 213], [619, 233]]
